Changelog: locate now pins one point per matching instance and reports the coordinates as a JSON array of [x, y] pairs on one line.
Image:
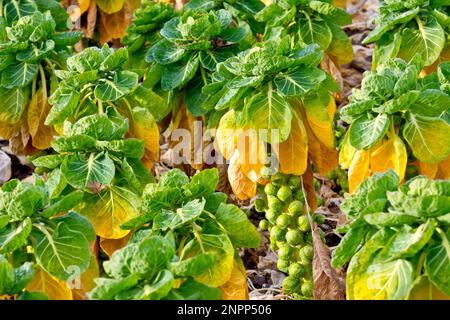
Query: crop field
[[224, 150]]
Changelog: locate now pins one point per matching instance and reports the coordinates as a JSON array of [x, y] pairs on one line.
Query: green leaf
[[188, 213], [177, 75], [15, 237], [203, 183], [123, 83], [236, 223], [348, 246], [193, 290], [130, 148], [408, 241], [426, 40], [299, 82], [22, 276], [85, 172], [165, 52], [389, 22], [115, 60], [73, 144], [87, 60], [16, 9], [68, 38], [431, 103], [193, 266], [156, 290], [269, 110], [365, 132], [19, 75], [335, 14], [14, 102], [62, 251], [429, 138], [107, 289], [64, 204], [64, 102], [34, 54], [437, 264], [214, 200], [313, 30], [78, 223], [6, 275], [100, 127]]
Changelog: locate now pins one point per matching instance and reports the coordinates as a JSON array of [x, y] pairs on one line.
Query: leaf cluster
[[396, 237], [394, 96]]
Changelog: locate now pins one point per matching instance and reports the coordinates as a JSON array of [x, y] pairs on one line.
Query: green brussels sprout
[[308, 237], [274, 203], [279, 179], [319, 218], [273, 245], [266, 172], [316, 184], [307, 288], [272, 216], [303, 223], [278, 233], [320, 201], [264, 224], [307, 252], [294, 182], [295, 207], [344, 184], [283, 221], [291, 284], [298, 195], [285, 252], [294, 237], [283, 265], [296, 270], [260, 205], [284, 194], [270, 189]]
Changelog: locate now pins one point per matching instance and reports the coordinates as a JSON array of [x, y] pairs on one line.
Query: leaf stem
[[202, 71], [100, 107]]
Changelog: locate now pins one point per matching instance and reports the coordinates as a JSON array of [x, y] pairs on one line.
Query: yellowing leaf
[[114, 25], [236, 288], [186, 139], [109, 246], [320, 120], [390, 154], [293, 153], [359, 169], [76, 12], [227, 134], [144, 127], [54, 288], [243, 187], [427, 169], [18, 136], [109, 209], [38, 109], [444, 169], [110, 6], [424, 289], [308, 186], [347, 153], [81, 286]]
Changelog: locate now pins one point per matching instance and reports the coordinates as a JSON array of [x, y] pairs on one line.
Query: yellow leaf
[[76, 12], [114, 25], [390, 154], [144, 127], [427, 169], [359, 169], [109, 209], [54, 288], [320, 120], [41, 135], [308, 186], [110, 6], [347, 153], [109, 246], [18, 135], [186, 138], [340, 3], [293, 153], [236, 288], [424, 289], [243, 187], [86, 281], [444, 169], [227, 134]]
